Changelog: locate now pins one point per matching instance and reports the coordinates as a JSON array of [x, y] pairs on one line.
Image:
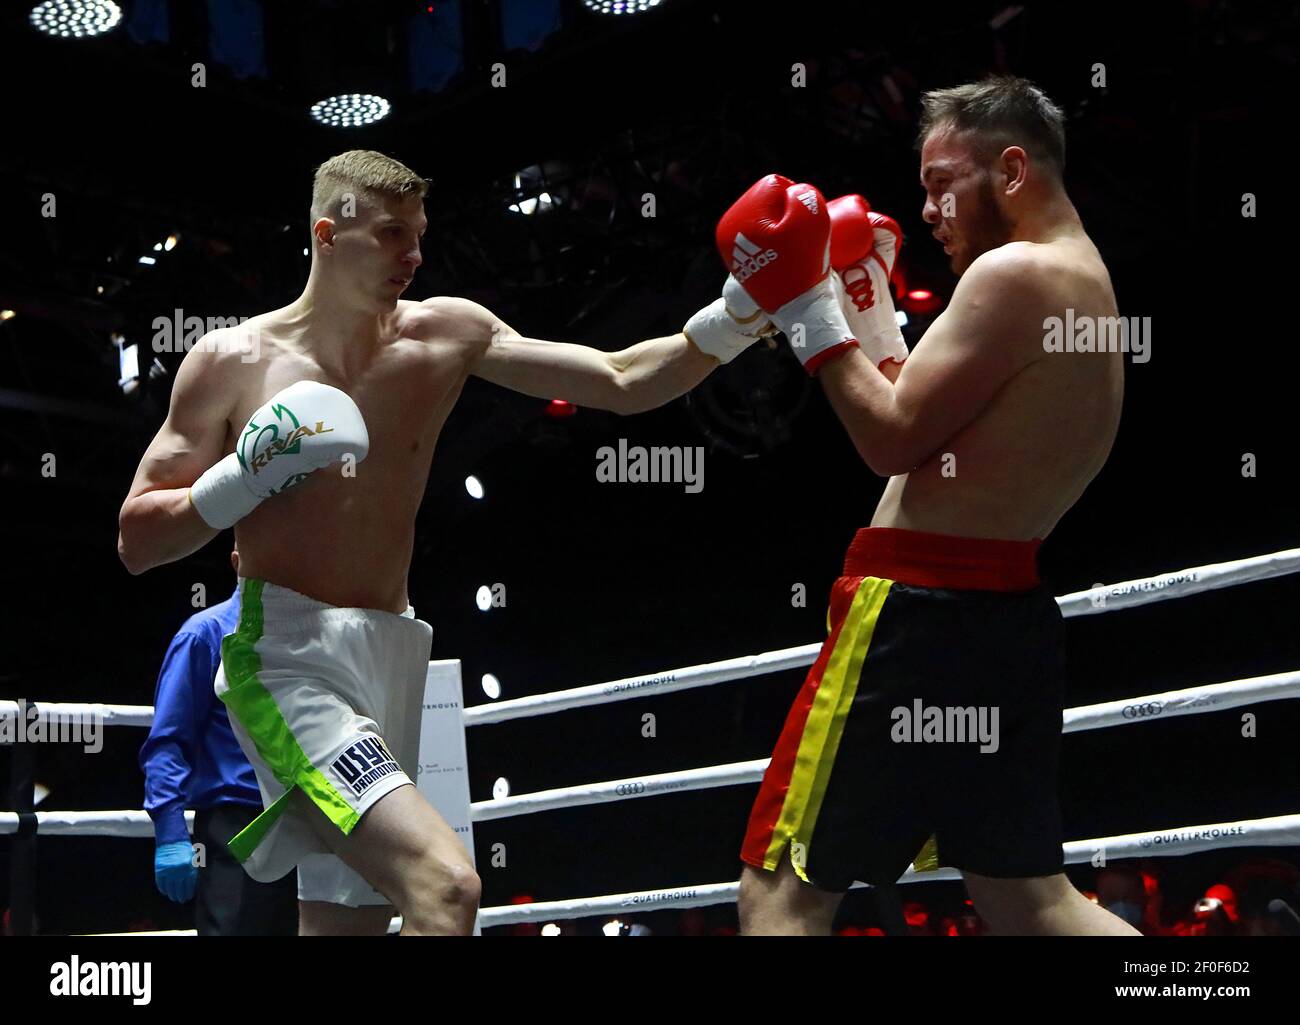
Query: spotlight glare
[[620, 6], [350, 110], [77, 18], [483, 598], [491, 686], [550, 929], [501, 789], [474, 486]]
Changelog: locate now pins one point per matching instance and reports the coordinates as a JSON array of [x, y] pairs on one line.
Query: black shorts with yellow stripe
[[931, 719]]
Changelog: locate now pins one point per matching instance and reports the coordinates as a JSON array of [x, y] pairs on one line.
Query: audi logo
[[629, 789], [1142, 711]]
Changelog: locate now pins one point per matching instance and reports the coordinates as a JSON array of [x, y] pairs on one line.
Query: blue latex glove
[[174, 871]]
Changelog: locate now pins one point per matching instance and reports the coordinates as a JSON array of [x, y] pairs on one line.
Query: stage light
[[501, 789], [128, 364], [491, 686], [918, 301], [531, 198], [351, 110], [559, 408], [620, 6], [483, 598], [474, 486], [529, 206], [77, 19]]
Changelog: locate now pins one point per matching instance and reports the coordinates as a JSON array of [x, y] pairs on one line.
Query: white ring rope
[[735, 774], [55, 712], [1279, 830], [1276, 831], [1180, 584], [638, 686], [89, 823], [1213, 697], [1104, 598]]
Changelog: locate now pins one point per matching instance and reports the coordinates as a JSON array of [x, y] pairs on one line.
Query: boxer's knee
[[780, 903], [440, 895]]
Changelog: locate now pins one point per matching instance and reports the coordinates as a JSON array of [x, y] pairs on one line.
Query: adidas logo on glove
[[747, 258]]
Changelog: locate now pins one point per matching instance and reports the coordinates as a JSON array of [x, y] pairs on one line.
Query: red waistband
[[941, 560]]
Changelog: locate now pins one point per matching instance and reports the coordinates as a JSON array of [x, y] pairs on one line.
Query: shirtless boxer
[[987, 439], [317, 452]]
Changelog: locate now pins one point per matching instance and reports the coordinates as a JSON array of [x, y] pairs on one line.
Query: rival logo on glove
[[747, 258], [256, 454]]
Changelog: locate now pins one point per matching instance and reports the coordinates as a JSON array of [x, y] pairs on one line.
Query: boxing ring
[[1170, 841]]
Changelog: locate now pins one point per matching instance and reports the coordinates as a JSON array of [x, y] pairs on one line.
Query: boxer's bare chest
[[405, 388]]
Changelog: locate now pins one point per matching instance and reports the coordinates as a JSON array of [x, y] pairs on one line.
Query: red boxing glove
[[864, 248], [775, 240]]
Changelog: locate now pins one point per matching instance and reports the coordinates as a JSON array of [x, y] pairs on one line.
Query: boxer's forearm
[[658, 371], [158, 527], [629, 381], [863, 397]]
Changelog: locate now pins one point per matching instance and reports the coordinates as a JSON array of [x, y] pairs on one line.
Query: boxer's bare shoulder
[[461, 325], [1063, 272]]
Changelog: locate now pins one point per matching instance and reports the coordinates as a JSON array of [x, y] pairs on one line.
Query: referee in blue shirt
[[192, 760]]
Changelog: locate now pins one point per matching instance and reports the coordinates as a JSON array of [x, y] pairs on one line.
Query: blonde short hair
[[364, 172]]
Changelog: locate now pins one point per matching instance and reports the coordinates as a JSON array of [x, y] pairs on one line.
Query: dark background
[[692, 102]]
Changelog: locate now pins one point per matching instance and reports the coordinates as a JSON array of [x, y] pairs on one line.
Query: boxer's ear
[[323, 231], [1015, 166]]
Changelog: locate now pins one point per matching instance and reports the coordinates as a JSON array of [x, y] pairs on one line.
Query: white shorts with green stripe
[[325, 700]]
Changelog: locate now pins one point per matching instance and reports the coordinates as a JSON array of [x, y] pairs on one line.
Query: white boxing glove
[[301, 429]]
